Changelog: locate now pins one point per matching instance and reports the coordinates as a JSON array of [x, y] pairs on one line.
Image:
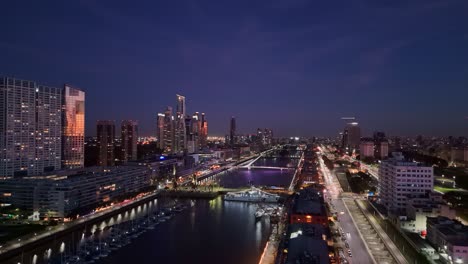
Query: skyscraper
[[105, 139], [351, 136], [73, 127], [180, 128], [165, 131], [203, 133], [129, 137], [232, 131], [30, 128]]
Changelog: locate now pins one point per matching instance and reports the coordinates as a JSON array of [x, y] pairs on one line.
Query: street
[[359, 252]]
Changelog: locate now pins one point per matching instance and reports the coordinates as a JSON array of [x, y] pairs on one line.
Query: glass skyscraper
[[73, 119]]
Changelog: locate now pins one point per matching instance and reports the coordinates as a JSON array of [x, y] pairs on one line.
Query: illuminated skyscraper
[[165, 131], [351, 136], [129, 138], [73, 127], [105, 139], [180, 127], [232, 131], [30, 128], [203, 131]]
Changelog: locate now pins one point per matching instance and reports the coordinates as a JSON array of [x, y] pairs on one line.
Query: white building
[[30, 128], [419, 207], [399, 179], [72, 192], [366, 148]]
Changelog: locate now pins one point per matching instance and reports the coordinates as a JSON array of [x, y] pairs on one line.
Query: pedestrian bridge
[[268, 167]]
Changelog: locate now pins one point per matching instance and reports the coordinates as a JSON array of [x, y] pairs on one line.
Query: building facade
[[449, 237], [105, 140], [165, 131], [30, 128], [351, 137], [180, 127], [73, 126], [68, 193], [232, 131], [366, 148], [129, 138], [203, 132], [398, 179]]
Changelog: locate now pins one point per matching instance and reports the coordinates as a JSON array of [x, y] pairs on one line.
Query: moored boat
[[252, 195]]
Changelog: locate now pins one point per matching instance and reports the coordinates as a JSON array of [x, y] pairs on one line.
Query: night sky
[[296, 66]]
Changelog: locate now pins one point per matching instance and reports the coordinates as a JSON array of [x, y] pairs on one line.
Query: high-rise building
[[73, 127], [366, 148], [160, 130], [232, 131], [180, 127], [268, 137], [191, 128], [129, 138], [105, 139], [381, 149], [398, 179], [165, 131], [203, 132], [351, 136], [30, 128]]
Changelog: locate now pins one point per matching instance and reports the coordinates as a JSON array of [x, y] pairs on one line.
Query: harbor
[[142, 230]]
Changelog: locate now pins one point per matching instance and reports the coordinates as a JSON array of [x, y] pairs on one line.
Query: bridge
[[270, 168]]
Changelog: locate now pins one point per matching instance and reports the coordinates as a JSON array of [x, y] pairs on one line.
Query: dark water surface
[[208, 232]]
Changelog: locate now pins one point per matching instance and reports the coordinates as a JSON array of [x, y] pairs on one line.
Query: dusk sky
[[295, 66]]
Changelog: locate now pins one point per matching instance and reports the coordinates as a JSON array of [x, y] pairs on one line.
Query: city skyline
[[326, 61]]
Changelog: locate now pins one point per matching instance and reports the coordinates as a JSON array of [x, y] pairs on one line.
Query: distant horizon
[[294, 66]]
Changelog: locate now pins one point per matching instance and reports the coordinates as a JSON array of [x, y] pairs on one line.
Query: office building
[[72, 192], [232, 131], [366, 148], [129, 138], [73, 128], [352, 136], [203, 133], [30, 128], [191, 130], [180, 127], [400, 178], [165, 131], [105, 139]]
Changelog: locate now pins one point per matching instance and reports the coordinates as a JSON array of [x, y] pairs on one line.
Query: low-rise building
[[308, 243], [419, 207], [449, 237], [70, 193], [308, 208]]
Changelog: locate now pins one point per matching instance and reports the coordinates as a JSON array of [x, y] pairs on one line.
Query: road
[[360, 254]]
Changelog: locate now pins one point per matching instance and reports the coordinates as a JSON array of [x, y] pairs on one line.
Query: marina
[[161, 228]]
